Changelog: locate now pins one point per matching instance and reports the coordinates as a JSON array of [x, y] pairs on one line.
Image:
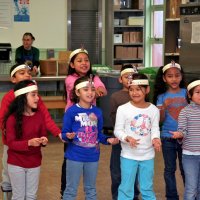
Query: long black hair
[[72, 71], [17, 107], [161, 87]]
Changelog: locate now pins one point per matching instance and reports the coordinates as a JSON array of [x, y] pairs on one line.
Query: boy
[[118, 98], [20, 72]]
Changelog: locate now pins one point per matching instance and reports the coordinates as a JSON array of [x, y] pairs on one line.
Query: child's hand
[[70, 135], [113, 141], [35, 142], [133, 142], [44, 140], [100, 91], [176, 134], [157, 144]]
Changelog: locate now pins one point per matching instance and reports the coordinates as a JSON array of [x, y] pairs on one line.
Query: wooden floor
[[49, 187]]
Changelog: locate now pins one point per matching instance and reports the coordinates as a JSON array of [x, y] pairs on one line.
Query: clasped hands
[[35, 142]]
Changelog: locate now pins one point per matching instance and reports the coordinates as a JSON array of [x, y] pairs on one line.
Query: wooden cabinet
[[172, 27], [124, 41]]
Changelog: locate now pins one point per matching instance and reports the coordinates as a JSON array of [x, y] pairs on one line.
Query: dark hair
[[13, 67], [191, 91], [161, 87], [29, 34], [74, 97], [72, 71], [127, 66], [17, 107], [141, 76]]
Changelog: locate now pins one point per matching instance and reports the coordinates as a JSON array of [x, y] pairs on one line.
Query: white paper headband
[[139, 82], [23, 66], [84, 84], [25, 90], [128, 70], [193, 84], [170, 65], [73, 53]]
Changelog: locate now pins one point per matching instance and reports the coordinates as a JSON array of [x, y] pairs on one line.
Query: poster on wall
[[5, 14], [21, 11]]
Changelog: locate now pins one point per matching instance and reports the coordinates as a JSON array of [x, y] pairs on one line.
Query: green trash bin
[[150, 72]]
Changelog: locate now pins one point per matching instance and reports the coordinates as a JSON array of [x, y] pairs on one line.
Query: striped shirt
[[189, 125]]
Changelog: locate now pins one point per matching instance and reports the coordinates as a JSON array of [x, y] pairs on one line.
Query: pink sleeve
[[98, 82]]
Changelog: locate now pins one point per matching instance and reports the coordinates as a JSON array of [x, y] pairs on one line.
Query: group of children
[[136, 124]]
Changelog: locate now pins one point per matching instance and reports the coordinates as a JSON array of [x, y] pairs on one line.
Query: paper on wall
[[195, 37]]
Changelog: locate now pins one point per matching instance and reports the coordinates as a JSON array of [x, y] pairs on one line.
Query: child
[[170, 98], [188, 129], [117, 99], [18, 73], [25, 133], [82, 127], [137, 127], [79, 66]]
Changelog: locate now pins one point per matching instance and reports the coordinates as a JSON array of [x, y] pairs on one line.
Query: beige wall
[[48, 23]]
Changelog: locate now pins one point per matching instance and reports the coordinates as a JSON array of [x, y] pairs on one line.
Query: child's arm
[[100, 87], [50, 124], [162, 107]]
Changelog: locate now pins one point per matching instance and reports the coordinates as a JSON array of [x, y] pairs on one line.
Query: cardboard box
[[140, 52], [119, 52], [62, 67], [126, 37], [138, 4], [136, 37], [135, 21], [117, 38], [48, 67]]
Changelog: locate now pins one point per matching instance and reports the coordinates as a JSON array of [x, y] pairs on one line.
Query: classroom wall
[[48, 24]]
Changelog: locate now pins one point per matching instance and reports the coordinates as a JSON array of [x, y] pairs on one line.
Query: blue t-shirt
[[173, 103], [87, 124]]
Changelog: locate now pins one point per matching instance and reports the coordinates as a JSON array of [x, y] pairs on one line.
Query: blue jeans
[[191, 165], [115, 172], [129, 170], [74, 170], [171, 149]]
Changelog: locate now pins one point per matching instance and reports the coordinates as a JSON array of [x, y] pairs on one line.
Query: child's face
[[196, 95], [81, 64], [86, 95], [32, 100], [124, 80], [173, 77], [21, 75], [138, 93]]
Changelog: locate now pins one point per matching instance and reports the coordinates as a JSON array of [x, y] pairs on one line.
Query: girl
[[188, 129], [79, 66], [137, 127], [25, 134], [170, 98], [82, 126]]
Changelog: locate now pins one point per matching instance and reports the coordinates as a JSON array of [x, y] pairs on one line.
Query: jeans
[[115, 172], [129, 169], [74, 170], [171, 149], [24, 182], [191, 165]]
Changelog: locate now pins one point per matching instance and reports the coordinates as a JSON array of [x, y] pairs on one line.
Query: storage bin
[[48, 67], [62, 67]]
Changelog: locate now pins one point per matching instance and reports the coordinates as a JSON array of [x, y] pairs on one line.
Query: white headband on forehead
[[73, 53], [128, 70], [84, 84], [193, 84], [139, 82], [170, 65], [25, 90], [23, 66]]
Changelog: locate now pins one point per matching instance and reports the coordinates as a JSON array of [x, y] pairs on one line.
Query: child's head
[[26, 101], [169, 77], [139, 88], [79, 63], [83, 91], [194, 91], [20, 72], [126, 72]]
